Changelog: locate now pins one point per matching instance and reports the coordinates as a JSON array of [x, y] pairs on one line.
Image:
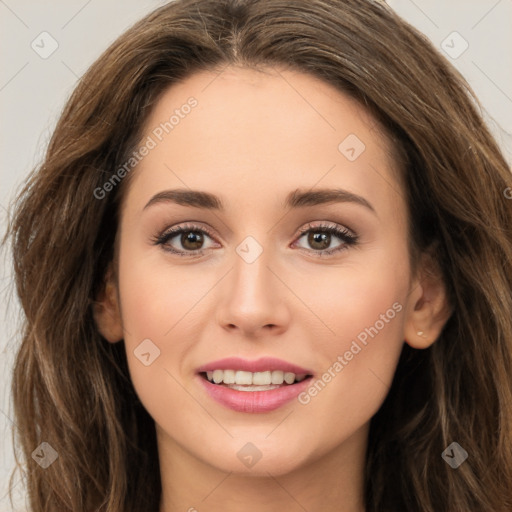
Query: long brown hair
[[72, 390]]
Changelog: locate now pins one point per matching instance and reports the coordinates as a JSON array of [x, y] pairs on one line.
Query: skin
[[253, 138]]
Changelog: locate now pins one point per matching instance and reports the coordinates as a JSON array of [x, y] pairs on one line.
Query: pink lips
[[253, 401], [260, 365]]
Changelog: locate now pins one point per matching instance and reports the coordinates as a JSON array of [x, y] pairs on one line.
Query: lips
[[253, 386], [260, 365]]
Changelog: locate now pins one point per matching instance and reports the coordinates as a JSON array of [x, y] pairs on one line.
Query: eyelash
[[347, 237]]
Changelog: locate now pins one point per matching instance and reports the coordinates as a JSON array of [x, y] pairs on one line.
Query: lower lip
[[254, 401]]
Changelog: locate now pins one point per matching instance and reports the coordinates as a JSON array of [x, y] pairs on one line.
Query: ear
[[428, 306], [106, 311]]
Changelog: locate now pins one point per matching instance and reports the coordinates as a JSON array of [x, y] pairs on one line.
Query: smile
[[249, 381], [253, 386]]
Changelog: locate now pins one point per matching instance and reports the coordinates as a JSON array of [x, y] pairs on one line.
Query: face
[[298, 253]]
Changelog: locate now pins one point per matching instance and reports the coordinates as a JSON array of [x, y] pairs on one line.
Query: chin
[[257, 457]]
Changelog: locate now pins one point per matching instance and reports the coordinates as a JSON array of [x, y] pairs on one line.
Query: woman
[[267, 263]]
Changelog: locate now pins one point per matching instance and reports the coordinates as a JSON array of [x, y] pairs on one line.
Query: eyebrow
[[296, 199]]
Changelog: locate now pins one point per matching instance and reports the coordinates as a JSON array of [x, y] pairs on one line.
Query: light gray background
[[33, 91]]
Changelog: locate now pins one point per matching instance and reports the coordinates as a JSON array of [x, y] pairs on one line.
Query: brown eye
[[326, 239], [187, 240], [318, 240], [191, 240]]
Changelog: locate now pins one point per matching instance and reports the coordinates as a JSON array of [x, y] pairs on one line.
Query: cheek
[[155, 301], [157, 295], [155, 317], [362, 311], [163, 310], [348, 298]]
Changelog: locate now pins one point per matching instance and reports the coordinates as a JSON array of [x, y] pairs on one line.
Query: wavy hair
[[72, 389]]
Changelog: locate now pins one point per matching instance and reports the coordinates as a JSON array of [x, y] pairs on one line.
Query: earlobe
[[429, 307], [106, 311]]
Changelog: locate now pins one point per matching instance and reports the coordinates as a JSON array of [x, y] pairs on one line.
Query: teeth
[[277, 377], [289, 378], [262, 378], [241, 378]]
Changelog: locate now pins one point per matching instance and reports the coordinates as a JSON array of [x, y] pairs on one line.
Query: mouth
[[253, 386], [240, 380]]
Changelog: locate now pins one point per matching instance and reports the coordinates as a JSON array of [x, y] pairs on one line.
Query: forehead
[[251, 134]]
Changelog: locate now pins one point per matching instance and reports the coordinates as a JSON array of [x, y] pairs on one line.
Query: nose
[[253, 300]]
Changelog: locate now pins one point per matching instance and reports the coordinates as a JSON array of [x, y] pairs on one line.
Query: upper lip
[[258, 365]]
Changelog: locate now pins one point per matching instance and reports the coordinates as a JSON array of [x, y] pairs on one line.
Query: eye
[[320, 237], [189, 238]]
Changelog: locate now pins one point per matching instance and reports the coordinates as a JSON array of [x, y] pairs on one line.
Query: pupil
[[321, 238], [192, 237]]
